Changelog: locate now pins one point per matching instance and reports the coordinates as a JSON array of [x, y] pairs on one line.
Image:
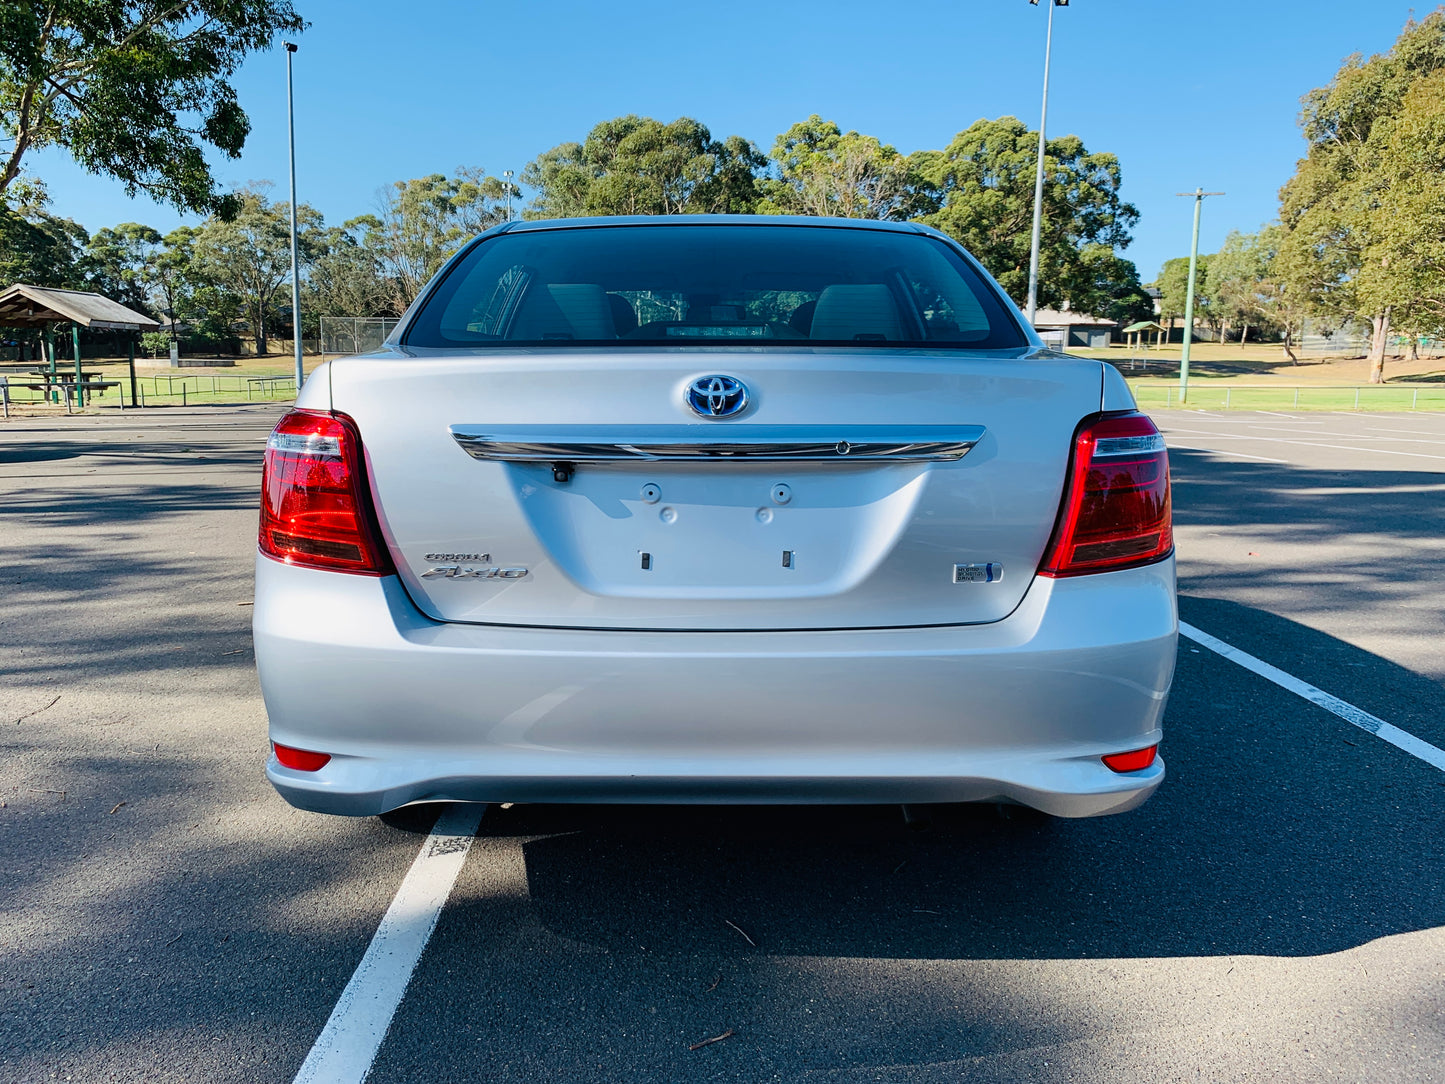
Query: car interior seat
[[565, 310], [624, 316], [801, 318], [852, 312]]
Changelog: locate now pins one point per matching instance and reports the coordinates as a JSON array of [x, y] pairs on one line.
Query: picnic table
[[67, 388], [64, 375]]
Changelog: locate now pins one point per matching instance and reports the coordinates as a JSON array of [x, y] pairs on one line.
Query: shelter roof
[[1144, 325], [36, 306]]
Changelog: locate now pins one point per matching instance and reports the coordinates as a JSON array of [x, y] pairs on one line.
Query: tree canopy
[[1361, 215], [39, 248], [122, 259], [640, 166], [229, 273], [982, 186], [825, 171], [248, 255], [425, 220], [137, 89]]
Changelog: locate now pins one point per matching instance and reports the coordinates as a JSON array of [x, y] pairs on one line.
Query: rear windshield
[[631, 286]]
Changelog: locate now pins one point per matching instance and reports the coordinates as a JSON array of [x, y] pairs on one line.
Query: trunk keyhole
[[646, 562], [787, 558]]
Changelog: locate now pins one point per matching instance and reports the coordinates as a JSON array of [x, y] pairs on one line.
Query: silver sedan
[[715, 509]]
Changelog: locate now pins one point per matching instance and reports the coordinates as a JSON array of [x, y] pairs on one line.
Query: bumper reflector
[[1135, 761], [300, 759]]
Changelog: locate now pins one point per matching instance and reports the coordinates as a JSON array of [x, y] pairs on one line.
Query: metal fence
[[1342, 397], [152, 389], [354, 334]]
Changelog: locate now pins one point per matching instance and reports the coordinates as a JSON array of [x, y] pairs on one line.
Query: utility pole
[[1198, 195], [507, 186], [295, 261], [1039, 171]]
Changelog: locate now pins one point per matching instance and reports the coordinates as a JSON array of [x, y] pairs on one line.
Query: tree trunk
[[1223, 332], [1244, 336], [1414, 348], [1380, 334], [260, 333], [1288, 336]]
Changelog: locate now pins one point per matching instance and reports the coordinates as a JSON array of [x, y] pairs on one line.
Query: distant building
[[1062, 330]]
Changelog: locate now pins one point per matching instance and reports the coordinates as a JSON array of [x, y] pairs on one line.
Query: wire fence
[[171, 389], [153, 390], [354, 334], [1349, 397]]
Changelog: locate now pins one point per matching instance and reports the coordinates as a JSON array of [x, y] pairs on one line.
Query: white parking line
[[1400, 739], [1220, 451], [347, 1046], [1307, 443]]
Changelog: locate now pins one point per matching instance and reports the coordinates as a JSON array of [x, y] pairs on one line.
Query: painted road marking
[[1296, 431], [347, 1046], [1400, 739], [1221, 451], [1308, 443]]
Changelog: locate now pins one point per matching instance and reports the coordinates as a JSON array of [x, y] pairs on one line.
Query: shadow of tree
[[1272, 835]]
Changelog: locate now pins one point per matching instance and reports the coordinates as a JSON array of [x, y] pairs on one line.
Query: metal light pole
[[1039, 170], [507, 174], [295, 261], [1198, 196]]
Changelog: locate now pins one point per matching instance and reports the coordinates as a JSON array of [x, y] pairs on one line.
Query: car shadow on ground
[[1280, 830]]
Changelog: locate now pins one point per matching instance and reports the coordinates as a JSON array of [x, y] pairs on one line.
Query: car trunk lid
[[576, 489]]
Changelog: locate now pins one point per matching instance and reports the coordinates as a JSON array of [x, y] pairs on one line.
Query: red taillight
[[315, 508], [1134, 761], [300, 759], [1116, 504]]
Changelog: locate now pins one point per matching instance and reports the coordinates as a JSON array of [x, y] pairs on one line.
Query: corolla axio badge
[[717, 396]]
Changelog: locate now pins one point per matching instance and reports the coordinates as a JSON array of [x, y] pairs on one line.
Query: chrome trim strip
[[817, 443]]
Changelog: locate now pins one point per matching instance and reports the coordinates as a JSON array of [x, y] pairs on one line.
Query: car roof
[[714, 220]]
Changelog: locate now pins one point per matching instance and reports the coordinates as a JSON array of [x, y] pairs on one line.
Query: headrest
[[845, 312], [565, 310]]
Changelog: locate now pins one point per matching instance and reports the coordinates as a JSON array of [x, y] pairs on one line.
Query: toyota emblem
[[717, 396]]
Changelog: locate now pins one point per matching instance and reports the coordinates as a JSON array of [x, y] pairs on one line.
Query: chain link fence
[[354, 334]]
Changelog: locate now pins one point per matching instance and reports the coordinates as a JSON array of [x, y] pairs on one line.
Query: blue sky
[[1185, 94]]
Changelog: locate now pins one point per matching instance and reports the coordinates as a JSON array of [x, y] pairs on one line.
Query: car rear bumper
[[415, 710]]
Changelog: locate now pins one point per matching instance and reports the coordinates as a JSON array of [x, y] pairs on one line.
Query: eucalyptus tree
[[1359, 210], [823, 170], [248, 255], [635, 165], [423, 221], [1238, 283], [981, 188], [138, 90], [123, 262], [41, 248]]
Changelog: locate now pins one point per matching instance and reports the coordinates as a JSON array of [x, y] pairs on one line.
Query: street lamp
[[507, 173], [295, 262], [1039, 169], [1198, 196]]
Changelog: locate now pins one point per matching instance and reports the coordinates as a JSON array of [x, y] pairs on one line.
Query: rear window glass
[[631, 286]]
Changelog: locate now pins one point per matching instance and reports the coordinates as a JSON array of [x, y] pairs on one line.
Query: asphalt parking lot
[[1275, 913]]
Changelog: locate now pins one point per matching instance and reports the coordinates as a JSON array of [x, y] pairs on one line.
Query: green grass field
[[170, 389], [1227, 395], [1207, 391]]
